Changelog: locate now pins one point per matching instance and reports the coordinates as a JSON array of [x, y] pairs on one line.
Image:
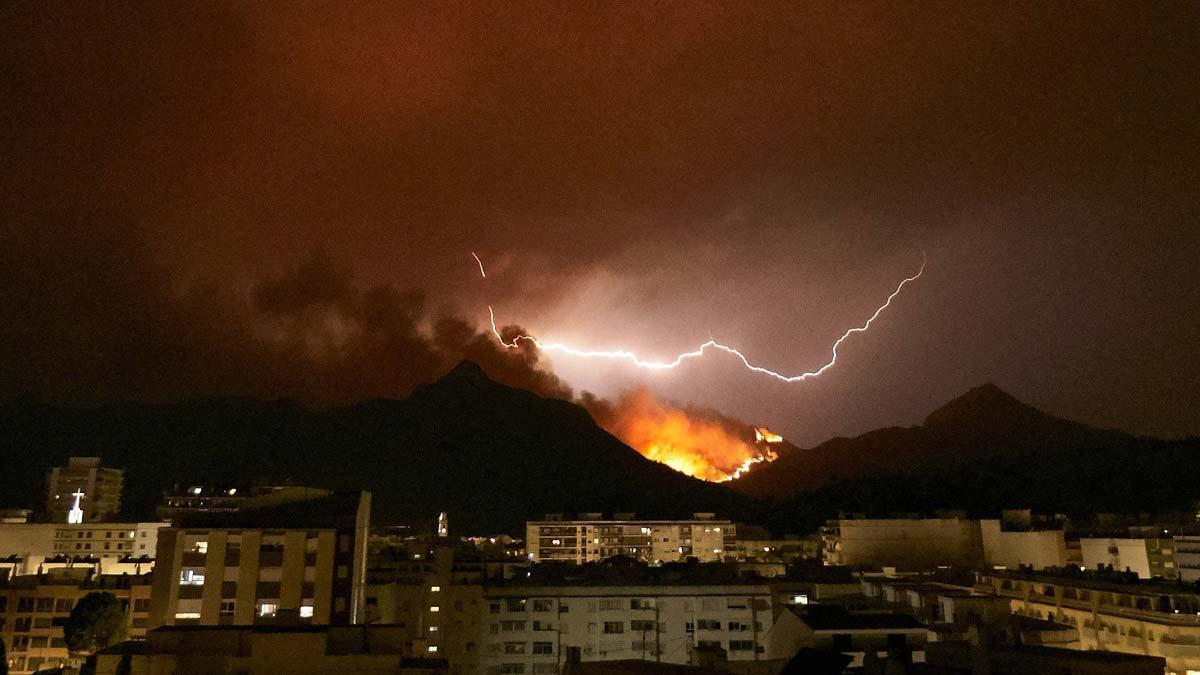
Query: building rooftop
[[830, 617]]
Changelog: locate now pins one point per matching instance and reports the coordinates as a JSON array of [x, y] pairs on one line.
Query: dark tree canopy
[[96, 622]]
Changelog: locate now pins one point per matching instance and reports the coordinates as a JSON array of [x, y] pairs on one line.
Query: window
[[63, 605], [611, 605], [267, 608], [512, 626], [141, 605], [641, 625], [227, 607], [187, 616], [435, 589], [514, 647], [191, 577], [641, 603], [614, 627], [433, 629], [543, 648], [545, 669], [25, 604], [198, 546], [22, 624], [306, 609], [435, 608], [741, 645], [801, 599], [42, 622], [737, 626], [514, 604], [432, 649], [45, 604], [708, 624], [494, 608], [512, 669], [542, 605]]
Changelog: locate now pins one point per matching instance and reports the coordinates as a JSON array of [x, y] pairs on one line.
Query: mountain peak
[[984, 404], [467, 370]]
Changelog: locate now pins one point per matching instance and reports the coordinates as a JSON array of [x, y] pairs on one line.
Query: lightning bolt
[[623, 355], [481, 272]]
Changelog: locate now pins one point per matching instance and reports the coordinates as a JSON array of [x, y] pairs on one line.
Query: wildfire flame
[[688, 441]]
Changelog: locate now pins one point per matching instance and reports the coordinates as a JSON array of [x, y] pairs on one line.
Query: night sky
[[281, 200]]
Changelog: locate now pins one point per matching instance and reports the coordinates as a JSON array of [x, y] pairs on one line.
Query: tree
[[96, 622]]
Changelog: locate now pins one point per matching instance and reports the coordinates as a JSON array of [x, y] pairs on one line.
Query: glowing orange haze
[[690, 443]]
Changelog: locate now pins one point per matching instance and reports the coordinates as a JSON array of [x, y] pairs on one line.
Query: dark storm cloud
[[756, 172]]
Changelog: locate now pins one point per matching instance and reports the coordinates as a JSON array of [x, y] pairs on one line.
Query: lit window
[[432, 648], [433, 629], [800, 599], [435, 608], [306, 611], [187, 615], [267, 608], [435, 589], [191, 577]]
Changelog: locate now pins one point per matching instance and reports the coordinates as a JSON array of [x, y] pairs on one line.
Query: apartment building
[[1187, 557], [1111, 612], [83, 485], [1149, 558], [303, 561], [592, 538], [529, 629], [108, 548], [34, 608]]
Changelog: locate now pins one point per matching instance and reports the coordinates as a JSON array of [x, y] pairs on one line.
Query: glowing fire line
[[481, 272], [624, 355]]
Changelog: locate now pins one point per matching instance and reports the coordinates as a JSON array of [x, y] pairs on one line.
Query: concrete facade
[[653, 541], [1148, 558], [101, 488]]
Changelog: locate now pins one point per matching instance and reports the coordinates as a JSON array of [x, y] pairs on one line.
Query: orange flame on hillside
[[699, 445]]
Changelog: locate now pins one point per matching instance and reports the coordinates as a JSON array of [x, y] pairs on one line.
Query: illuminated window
[[435, 589], [800, 599], [435, 608], [187, 615], [267, 608], [191, 577], [432, 648], [306, 611], [433, 629]]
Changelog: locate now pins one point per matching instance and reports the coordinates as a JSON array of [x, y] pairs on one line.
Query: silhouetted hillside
[[489, 454], [984, 423]]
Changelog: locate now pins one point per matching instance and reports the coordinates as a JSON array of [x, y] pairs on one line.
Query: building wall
[[652, 541], [1039, 548], [1149, 558], [907, 543]]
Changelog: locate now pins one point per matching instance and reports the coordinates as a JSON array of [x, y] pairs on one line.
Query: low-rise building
[[592, 538], [860, 635], [1149, 558], [34, 608], [303, 561], [109, 548]]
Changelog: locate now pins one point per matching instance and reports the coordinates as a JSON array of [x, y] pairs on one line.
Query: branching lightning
[[634, 359], [481, 272]]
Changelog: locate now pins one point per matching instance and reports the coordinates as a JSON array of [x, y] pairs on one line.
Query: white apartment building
[[1148, 558], [527, 630], [1152, 619], [591, 539], [114, 548], [86, 485]]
